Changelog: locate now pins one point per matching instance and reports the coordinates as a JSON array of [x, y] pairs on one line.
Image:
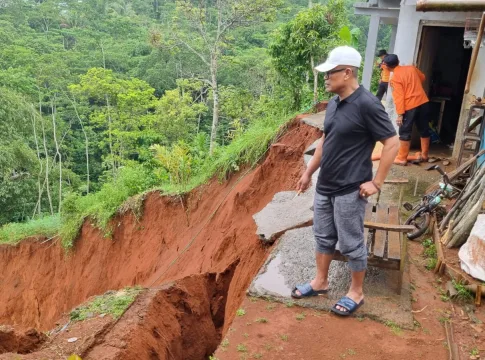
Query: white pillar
[[392, 42], [370, 51]]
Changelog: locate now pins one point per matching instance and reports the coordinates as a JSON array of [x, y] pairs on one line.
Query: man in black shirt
[[355, 120]]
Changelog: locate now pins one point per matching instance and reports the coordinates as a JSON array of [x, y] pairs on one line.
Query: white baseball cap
[[342, 55]]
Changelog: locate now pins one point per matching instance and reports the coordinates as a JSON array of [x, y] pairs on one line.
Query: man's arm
[[389, 152], [313, 166], [314, 163], [422, 77], [398, 95]]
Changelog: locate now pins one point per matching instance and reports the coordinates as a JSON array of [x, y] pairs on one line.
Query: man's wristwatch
[[377, 186]]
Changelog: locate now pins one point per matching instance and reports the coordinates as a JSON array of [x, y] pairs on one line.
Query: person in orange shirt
[[385, 73], [411, 106]]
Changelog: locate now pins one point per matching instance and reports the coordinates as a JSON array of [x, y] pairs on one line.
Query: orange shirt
[[407, 88], [385, 73]]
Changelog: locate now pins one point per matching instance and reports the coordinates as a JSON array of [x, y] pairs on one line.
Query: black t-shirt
[[352, 127]]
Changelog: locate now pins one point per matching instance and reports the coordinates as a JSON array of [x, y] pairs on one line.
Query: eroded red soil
[[40, 282]]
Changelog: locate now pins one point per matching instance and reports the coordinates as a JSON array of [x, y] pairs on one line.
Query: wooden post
[[478, 295]]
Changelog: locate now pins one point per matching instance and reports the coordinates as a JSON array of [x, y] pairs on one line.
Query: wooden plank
[[380, 237], [452, 175], [373, 261], [394, 244], [388, 227], [396, 181]]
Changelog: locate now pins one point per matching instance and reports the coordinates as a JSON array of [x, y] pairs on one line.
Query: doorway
[[445, 62]]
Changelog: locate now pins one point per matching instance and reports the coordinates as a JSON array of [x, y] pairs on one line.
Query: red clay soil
[[40, 282], [287, 334], [183, 320], [20, 342]]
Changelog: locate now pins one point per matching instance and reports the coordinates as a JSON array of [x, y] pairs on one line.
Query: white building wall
[[407, 42]]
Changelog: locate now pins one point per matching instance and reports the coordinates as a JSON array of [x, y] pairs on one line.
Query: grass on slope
[[12, 233], [125, 193], [113, 303]]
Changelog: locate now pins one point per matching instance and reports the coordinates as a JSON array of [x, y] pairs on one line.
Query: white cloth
[[472, 253]]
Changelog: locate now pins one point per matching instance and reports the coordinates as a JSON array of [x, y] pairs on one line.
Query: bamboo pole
[[476, 49]]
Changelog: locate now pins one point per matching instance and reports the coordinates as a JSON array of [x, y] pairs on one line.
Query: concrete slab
[[286, 211], [311, 149], [315, 120], [307, 159], [292, 262]]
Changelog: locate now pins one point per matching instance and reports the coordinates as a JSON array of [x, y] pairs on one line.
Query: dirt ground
[[270, 330], [210, 231]]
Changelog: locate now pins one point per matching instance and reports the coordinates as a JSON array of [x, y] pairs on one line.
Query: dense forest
[[102, 100]]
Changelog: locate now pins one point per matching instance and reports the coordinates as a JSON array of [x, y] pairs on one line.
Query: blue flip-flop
[[348, 304], [306, 290]]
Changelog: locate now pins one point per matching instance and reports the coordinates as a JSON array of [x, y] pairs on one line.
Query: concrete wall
[[407, 42]]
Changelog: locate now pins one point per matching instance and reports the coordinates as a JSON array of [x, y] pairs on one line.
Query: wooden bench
[[384, 239]]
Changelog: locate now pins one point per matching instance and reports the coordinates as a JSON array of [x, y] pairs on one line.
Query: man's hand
[[368, 189], [399, 120], [304, 183]]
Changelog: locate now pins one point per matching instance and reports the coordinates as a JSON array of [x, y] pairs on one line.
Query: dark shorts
[[341, 218], [419, 116], [383, 86]]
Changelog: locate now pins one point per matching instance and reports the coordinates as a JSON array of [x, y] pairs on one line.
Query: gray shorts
[[341, 218]]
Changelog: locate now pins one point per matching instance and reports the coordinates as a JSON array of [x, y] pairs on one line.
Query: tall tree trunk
[[113, 165], [86, 144], [215, 93], [58, 153], [38, 205], [156, 9], [47, 168], [46, 154], [102, 52], [315, 81]]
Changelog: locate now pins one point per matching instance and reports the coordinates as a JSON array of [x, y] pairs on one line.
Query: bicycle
[[430, 204]]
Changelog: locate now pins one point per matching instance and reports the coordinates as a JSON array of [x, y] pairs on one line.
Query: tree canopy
[[101, 100]]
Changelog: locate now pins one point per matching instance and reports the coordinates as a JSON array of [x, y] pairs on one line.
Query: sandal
[[306, 290], [348, 304]]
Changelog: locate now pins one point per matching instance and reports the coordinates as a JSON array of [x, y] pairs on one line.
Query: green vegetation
[[284, 337], [242, 348], [475, 352], [240, 312], [350, 352], [270, 307], [104, 101], [300, 316], [463, 294], [225, 344], [430, 253], [261, 320], [47, 226], [395, 328], [112, 303]]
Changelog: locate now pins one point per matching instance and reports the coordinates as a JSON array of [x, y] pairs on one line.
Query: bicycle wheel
[[420, 222]]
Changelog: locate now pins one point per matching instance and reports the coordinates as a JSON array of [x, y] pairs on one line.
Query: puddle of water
[[272, 281]]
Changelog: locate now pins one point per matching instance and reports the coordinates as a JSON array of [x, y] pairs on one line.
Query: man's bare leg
[[320, 282], [356, 291]]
